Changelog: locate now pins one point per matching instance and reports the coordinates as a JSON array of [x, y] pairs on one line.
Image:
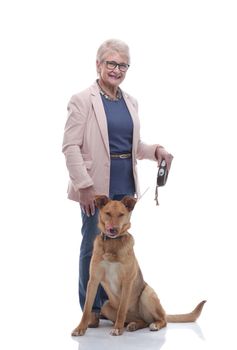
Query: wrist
[[86, 189], [157, 151]]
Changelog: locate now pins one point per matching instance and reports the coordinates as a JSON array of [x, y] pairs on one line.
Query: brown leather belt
[[121, 155]]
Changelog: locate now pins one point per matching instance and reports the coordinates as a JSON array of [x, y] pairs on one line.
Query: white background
[[183, 73]]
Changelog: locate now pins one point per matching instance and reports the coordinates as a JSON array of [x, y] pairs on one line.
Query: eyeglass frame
[[119, 65]]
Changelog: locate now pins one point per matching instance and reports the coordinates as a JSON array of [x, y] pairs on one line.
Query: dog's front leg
[[123, 308], [90, 297]]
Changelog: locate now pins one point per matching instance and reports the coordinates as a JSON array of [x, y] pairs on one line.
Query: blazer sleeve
[[72, 142], [145, 151]]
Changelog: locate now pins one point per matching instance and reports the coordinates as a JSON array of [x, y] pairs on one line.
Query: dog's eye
[[120, 215], [108, 213]]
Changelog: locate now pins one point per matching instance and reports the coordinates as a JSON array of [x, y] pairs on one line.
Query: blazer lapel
[[100, 115], [134, 116]]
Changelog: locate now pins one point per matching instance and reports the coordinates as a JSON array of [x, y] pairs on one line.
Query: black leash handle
[[162, 176]]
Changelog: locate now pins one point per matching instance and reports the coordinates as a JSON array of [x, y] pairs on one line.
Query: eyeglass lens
[[112, 65]]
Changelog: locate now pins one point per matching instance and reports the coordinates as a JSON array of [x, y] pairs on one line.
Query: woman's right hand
[[87, 200]]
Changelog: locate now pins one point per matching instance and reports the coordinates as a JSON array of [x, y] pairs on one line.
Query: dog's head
[[114, 216]]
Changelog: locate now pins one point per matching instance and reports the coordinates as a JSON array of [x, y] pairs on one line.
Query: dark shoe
[[94, 320], [102, 317]]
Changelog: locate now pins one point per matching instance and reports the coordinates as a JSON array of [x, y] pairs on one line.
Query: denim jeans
[[89, 232]]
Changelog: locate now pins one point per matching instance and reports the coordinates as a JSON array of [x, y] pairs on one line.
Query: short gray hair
[[113, 45]]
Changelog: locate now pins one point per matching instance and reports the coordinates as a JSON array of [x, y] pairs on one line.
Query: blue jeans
[[89, 232]]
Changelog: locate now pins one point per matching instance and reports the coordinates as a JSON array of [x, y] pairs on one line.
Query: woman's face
[[112, 77]]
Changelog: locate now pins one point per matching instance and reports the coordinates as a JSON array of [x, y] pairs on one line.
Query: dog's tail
[[190, 317]]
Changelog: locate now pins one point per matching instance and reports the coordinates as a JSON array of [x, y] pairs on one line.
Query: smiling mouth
[[115, 76]]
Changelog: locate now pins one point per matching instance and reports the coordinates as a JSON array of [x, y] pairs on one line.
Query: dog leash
[[144, 193]]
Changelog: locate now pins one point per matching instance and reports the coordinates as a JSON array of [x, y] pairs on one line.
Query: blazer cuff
[[82, 185]]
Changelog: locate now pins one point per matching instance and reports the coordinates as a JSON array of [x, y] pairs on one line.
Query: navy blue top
[[120, 132]]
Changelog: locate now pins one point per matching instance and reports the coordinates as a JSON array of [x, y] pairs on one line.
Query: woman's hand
[[87, 200], [161, 153]]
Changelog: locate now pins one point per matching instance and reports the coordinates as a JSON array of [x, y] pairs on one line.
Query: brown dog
[[131, 300]]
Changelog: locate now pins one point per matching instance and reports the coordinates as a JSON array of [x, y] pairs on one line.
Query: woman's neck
[[109, 90]]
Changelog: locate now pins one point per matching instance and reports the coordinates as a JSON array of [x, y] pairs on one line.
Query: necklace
[[118, 94]]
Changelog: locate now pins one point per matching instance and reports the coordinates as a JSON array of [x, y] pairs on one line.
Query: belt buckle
[[123, 156]]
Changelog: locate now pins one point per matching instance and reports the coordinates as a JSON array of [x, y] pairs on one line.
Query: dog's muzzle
[[111, 230]]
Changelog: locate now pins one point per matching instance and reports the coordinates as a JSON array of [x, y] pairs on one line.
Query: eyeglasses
[[123, 67]]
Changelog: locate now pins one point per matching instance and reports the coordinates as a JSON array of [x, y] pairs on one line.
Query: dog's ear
[[101, 201], [129, 202]]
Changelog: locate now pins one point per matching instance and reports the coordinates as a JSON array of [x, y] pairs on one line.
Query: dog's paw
[[116, 331], [154, 327], [131, 327], [77, 332]]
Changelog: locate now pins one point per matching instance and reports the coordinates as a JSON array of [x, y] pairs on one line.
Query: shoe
[[94, 320], [102, 317]]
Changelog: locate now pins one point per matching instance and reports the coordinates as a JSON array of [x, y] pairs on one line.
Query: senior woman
[[101, 146]]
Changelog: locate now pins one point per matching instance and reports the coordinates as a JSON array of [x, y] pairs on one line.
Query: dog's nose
[[113, 231]]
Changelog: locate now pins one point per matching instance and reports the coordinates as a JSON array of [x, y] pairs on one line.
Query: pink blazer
[[86, 143]]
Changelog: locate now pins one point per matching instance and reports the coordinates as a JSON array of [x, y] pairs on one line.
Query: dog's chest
[[112, 275]]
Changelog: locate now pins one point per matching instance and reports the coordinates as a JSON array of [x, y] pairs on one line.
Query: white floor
[[182, 337], [172, 337], [53, 332]]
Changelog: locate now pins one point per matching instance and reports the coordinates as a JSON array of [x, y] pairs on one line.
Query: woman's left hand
[[161, 153]]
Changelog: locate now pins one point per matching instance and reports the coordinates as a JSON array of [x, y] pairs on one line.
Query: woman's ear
[[98, 67]]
